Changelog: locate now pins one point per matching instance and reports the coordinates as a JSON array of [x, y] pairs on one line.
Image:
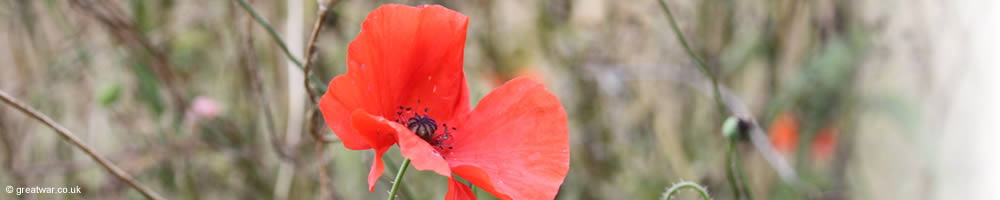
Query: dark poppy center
[[424, 126]]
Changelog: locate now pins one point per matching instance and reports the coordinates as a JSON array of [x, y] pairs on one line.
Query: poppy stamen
[[423, 126]]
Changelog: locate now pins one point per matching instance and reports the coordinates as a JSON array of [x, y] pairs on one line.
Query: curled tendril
[[685, 184]]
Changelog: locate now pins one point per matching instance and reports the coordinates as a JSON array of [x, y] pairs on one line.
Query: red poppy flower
[[825, 143], [405, 83], [785, 133]]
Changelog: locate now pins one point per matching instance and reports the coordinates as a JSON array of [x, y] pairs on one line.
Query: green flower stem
[[701, 64], [475, 190], [734, 171], [730, 174], [270, 31], [741, 175], [391, 166], [399, 178]]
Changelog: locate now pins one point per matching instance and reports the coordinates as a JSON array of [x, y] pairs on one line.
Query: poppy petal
[[413, 55], [422, 155], [336, 112], [514, 144], [379, 134], [377, 168], [458, 190], [403, 57]]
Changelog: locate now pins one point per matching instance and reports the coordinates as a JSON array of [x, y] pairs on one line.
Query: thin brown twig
[[314, 127], [129, 157], [311, 46], [322, 170], [306, 70], [66, 134], [313, 114], [315, 121]]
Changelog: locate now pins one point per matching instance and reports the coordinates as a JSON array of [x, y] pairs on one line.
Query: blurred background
[[865, 99]]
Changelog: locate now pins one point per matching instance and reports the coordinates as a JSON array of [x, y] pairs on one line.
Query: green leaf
[[109, 93], [149, 88]]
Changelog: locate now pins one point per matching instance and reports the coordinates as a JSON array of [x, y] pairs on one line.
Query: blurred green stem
[[730, 174], [281, 43], [687, 48], [741, 175], [682, 185], [270, 31], [399, 178], [735, 173], [391, 166]]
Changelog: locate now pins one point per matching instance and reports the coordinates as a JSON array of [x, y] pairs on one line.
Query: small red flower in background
[[825, 143], [784, 134], [405, 84]]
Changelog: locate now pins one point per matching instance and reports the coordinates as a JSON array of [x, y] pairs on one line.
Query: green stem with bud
[[733, 133]]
